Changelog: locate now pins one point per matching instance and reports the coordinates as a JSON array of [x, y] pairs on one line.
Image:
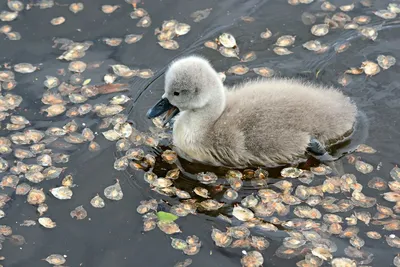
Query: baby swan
[[258, 123]]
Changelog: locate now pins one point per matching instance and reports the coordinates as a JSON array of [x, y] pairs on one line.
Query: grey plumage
[[262, 122]]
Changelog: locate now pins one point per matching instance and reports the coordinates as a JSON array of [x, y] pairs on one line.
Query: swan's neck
[[192, 126]]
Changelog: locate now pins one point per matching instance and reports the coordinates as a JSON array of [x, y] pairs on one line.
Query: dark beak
[[161, 107]]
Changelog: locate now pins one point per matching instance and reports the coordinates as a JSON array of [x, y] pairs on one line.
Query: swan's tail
[[339, 150], [358, 136]]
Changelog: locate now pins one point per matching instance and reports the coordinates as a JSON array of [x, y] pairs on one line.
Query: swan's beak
[[161, 107]]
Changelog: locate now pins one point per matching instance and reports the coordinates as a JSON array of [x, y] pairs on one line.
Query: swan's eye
[[176, 93]]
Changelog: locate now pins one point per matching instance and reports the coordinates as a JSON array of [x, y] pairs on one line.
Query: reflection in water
[[292, 218]]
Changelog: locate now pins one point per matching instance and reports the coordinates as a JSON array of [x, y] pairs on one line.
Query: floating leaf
[[86, 82], [55, 259], [166, 216], [114, 192]]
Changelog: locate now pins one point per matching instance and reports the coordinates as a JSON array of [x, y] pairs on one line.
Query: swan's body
[[263, 122]]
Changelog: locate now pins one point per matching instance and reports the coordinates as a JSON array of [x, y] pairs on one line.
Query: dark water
[[113, 236]]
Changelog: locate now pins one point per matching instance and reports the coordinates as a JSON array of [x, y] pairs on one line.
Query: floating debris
[[242, 214], [395, 174], [178, 244], [347, 8], [42, 209], [369, 32], [343, 262], [377, 183], [79, 213], [138, 13], [200, 191], [207, 177], [182, 29], [169, 156], [393, 241], [199, 15], [28, 223], [57, 21], [322, 253], [264, 71], [13, 36], [221, 239], [77, 66], [227, 40], [344, 79], [169, 44], [320, 29], [342, 47], [47, 222], [211, 44], [8, 16], [5, 29], [327, 6], [55, 259], [149, 225], [247, 19], [307, 212], [250, 56], [24, 68], [133, 38], [109, 78], [36, 197], [354, 71], [363, 167], [321, 170], [108, 9], [238, 70], [252, 259], [396, 260], [145, 73], [61, 192], [266, 35], [308, 18], [385, 62], [231, 194], [184, 263], [313, 45], [228, 52], [394, 7], [285, 40], [114, 192], [112, 41], [291, 172], [76, 7], [15, 5], [22, 189], [351, 26], [392, 196], [385, 14], [211, 204], [362, 19], [168, 227], [282, 51], [370, 68], [144, 22], [365, 149]]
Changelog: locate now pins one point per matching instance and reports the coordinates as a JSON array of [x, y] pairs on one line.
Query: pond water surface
[[114, 236]]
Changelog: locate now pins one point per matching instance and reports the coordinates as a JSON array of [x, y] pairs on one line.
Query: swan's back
[[275, 119], [293, 105]]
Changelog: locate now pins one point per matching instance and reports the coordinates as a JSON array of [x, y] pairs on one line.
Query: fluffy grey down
[[262, 122]]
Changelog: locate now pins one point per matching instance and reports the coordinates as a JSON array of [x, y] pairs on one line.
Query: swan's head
[[190, 84]]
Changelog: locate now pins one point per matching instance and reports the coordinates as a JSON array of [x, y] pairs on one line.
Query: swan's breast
[[189, 140]]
